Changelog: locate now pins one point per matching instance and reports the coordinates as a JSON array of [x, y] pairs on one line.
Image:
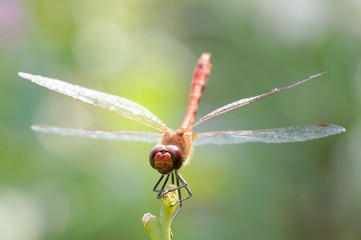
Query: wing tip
[[342, 129], [338, 129], [38, 128], [321, 73], [25, 75]]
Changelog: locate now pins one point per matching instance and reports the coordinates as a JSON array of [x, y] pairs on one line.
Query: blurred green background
[[53, 187]]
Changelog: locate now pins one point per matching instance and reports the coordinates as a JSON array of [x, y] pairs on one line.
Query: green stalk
[[159, 229]]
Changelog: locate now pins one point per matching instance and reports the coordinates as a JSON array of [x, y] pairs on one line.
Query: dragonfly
[[175, 147]]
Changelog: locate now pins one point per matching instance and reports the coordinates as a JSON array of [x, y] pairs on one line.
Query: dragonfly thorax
[[166, 159]]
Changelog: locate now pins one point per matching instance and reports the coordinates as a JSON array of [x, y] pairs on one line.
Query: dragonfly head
[[165, 159]]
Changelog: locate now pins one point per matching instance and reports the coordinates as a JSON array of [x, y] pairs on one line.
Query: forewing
[[119, 105], [246, 101], [96, 134], [276, 135]]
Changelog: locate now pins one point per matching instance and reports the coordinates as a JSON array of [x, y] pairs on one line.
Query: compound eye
[[153, 153], [177, 157]]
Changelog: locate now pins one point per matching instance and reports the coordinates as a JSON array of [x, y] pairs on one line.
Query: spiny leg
[[157, 183], [184, 185], [161, 190], [181, 183], [172, 176], [165, 182], [180, 202], [179, 193]]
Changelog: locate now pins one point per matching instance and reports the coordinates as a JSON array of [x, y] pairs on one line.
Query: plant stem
[[159, 229]]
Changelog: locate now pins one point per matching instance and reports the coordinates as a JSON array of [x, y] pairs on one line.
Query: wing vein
[[116, 104], [275, 135]]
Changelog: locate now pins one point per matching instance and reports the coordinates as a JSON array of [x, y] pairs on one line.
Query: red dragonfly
[[175, 147]]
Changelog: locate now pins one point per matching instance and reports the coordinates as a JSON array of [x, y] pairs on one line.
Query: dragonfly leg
[[181, 183], [180, 186], [157, 183], [179, 193], [161, 190], [172, 176], [180, 202]]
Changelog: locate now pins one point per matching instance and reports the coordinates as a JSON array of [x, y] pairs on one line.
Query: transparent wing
[[276, 135], [119, 105], [96, 134], [246, 101]]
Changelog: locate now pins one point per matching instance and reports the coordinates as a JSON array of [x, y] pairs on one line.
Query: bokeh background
[[53, 187]]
